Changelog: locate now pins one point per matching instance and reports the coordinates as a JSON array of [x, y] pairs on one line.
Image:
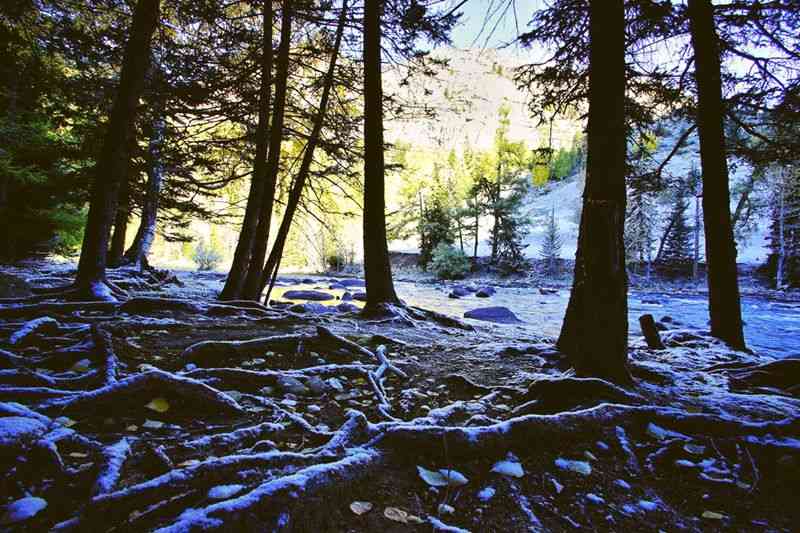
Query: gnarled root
[[137, 390]]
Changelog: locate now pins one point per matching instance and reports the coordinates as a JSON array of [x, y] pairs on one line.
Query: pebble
[[595, 499], [622, 484], [486, 494], [223, 492], [580, 467], [647, 505], [313, 408], [446, 509]]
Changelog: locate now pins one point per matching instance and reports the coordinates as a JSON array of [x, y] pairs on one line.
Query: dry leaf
[[159, 405], [360, 508], [398, 515]]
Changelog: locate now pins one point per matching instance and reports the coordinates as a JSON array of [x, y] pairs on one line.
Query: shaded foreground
[[171, 412]]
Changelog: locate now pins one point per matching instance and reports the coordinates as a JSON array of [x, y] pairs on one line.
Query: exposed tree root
[[782, 376], [137, 390], [553, 395]]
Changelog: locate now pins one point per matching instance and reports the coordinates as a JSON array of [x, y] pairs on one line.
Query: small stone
[[223, 492], [486, 494], [711, 515], [263, 446], [335, 384], [23, 509], [579, 467], [317, 385], [622, 484], [189, 367], [602, 446], [509, 467], [595, 499], [291, 385], [313, 408], [446, 509], [648, 505]]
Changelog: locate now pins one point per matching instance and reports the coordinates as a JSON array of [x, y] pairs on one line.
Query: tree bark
[[377, 268], [145, 235], [115, 158], [595, 330], [271, 267], [234, 283], [252, 285], [723, 284], [117, 248]]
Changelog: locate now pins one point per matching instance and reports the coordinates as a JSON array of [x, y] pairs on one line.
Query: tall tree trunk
[[696, 258], [779, 267], [234, 283], [115, 158], [595, 330], [377, 268], [146, 234], [271, 267], [723, 283], [475, 228], [117, 248], [252, 286]]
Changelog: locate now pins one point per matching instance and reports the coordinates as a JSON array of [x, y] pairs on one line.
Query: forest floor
[[174, 412]]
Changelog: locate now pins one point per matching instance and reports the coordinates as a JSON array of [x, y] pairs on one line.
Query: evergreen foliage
[[449, 262], [551, 246], [678, 252]]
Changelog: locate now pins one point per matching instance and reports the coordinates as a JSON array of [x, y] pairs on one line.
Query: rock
[[446, 509], [544, 291], [500, 315], [317, 385], [579, 467], [453, 295], [485, 292], [23, 509], [291, 385], [486, 494], [622, 484], [280, 304], [337, 287], [595, 499], [352, 282], [335, 384], [647, 505], [311, 308], [459, 291], [12, 286], [651, 301], [309, 281], [346, 307], [509, 467], [317, 296], [347, 296], [223, 492], [360, 296], [41, 325]]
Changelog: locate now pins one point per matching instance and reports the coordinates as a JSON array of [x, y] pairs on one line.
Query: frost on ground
[[183, 414]]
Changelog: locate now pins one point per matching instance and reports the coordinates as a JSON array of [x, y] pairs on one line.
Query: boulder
[[337, 287], [460, 291], [317, 296], [360, 296], [290, 385], [485, 292], [352, 282], [12, 286], [347, 296], [312, 308], [500, 315], [346, 307]]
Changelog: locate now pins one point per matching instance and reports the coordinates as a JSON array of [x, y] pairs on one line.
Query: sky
[[491, 23]]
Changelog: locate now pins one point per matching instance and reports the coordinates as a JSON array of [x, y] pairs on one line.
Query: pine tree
[[677, 256], [551, 246], [639, 227]]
